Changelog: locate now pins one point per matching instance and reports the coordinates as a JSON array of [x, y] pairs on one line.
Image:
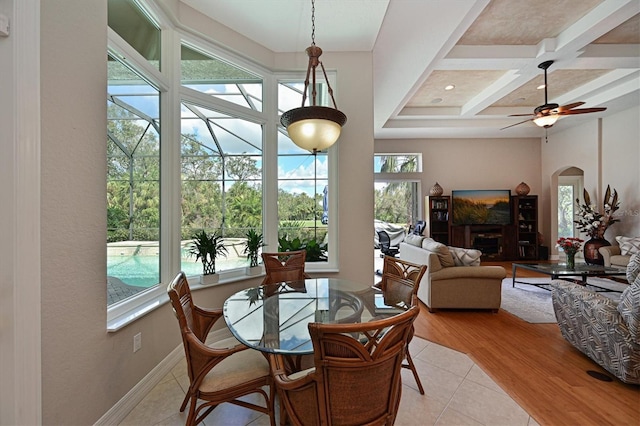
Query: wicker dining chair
[[356, 375], [284, 266], [223, 372], [399, 285]]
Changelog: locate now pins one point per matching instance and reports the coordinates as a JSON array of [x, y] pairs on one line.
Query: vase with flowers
[[570, 246], [594, 223]]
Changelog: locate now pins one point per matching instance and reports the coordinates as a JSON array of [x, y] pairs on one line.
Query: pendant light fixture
[[314, 128]]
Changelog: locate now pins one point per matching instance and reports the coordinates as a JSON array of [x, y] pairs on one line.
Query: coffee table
[[560, 270]]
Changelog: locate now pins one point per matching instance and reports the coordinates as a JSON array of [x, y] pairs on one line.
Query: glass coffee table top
[[557, 270], [580, 269]]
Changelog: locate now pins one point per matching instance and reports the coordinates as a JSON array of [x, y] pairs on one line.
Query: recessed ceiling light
[[450, 87], [436, 100], [540, 87]]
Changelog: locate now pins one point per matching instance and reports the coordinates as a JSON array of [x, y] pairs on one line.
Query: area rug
[[533, 304], [528, 302]]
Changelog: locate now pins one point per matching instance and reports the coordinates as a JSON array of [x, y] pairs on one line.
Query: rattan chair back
[[284, 266], [400, 280], [399, 285], [356, 378]]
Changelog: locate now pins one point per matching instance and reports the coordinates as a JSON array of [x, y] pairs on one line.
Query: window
[[133, 182], [204, 168], [136, 27], [397, 163], [220, 79], [221, 160], [397, 201], [568, 189], [303, 184]]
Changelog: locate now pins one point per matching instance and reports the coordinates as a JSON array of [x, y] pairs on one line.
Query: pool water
[[144, 271]]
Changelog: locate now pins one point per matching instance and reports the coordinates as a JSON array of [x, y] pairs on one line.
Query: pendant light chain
[[313, 22]]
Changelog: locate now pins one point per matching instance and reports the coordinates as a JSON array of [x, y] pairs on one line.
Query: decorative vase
[[436, 190], [522, 189], [591, 253], [571, 260]]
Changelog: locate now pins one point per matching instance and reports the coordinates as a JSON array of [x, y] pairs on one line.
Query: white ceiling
[[488, 49]]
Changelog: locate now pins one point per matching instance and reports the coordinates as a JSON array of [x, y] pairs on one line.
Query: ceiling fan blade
[[581, 111], [520, 115], [531, 119], [570, 106]]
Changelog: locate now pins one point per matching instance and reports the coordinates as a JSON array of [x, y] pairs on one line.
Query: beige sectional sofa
[[454, 278]]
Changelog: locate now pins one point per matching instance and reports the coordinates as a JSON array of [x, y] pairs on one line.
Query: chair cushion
[[441, 250], [235, 370], [633, 268], [465, 257], [628, 245], [629, 308], [414, 240]]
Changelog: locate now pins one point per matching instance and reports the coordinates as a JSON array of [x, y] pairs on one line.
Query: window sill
[[121, 315]]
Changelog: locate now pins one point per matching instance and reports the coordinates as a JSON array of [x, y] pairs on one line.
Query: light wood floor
[[541, 371]]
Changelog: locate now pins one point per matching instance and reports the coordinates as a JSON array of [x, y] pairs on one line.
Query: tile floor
[[457, 392]]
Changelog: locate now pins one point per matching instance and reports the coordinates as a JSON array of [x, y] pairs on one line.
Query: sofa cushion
[[465, 257], [444, 256], [629, 308], [633, 268], [628, 245], [414, 240]]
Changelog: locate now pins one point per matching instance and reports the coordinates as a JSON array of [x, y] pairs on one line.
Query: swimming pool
[[144, 271]]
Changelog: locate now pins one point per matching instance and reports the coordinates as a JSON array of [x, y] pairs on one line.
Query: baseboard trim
[[131, 399]]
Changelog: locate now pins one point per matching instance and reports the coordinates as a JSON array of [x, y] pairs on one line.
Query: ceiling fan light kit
[[314, 128], [548, 114]]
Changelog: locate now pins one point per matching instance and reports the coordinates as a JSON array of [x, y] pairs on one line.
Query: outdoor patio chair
[[386, 249]]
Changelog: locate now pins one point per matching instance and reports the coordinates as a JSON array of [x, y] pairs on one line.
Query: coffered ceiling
[[489, 50]]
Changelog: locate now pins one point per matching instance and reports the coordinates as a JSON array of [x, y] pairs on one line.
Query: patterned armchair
[[606, 332]]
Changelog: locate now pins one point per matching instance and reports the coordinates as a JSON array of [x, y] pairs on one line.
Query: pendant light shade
[[314, 128]]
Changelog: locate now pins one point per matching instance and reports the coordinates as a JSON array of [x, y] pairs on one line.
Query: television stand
[[489, 239]]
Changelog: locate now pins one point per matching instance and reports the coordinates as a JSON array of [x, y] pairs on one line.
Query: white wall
[[473, 163], [607, 150], [621, 168]]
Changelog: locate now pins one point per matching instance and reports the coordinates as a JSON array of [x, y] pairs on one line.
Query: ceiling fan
[[546, 115]]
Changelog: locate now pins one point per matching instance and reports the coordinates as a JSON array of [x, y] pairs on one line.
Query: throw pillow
[[628, 245], [446, 260], [414, 240], [633, 268], [465, 257]]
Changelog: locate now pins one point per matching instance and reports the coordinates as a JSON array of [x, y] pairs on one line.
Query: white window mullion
[[270, 165], [170, 219]]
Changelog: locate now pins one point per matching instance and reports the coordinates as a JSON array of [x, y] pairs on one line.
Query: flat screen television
[[481, 207]]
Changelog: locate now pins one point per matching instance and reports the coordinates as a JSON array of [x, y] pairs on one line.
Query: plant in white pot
[[207, 247], [252, 249]]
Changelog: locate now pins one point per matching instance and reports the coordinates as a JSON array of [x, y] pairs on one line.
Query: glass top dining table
[[274, 318]]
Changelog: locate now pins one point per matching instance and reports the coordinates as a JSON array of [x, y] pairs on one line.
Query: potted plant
[[252, 250], [207, 247]]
